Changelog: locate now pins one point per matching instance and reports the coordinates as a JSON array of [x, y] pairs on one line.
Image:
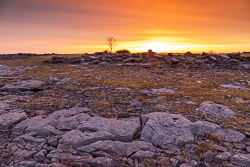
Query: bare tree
[[111, 42]]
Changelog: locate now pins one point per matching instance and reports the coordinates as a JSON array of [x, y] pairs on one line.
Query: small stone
[[40, 146], [30, 154], [66, 147], [174, 161], [190, 103], [53, 142], [220, 148], [27, 163], [208, 156], [193, 163], [185, 165], [173, 148], [191, 145], [39, 155], [169, 152], [239, 145], [28, 146], [180, 157], [160, 107], [20, 146], [22, 141], [222, 157], [177, 102], [48, 148], [248, 149], [207, 164]]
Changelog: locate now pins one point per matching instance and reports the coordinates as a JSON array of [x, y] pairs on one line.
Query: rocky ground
[[125, 110]]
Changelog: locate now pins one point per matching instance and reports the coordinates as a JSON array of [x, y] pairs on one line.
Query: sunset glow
[[157, 46], [81, 26]]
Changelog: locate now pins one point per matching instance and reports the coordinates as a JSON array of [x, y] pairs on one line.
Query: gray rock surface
[[95, 140], [31, 85], [109, 147], [208, 156], [215, 110], [142, 154], [136, 146], [9, 119], [163, 129], [241, 159], [122, 130], [222, 157], [36, 126]]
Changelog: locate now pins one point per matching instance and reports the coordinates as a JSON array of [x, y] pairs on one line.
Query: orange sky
[[81, 26]]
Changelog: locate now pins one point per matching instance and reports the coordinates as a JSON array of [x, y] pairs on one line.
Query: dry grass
[[107, 101], [148, 162], [245, 54], [205, 147]]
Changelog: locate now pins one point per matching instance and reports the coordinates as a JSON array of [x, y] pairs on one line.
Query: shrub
[[106, 51], [123, 51]]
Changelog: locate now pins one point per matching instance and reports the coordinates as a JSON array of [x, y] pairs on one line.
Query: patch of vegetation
[[163, 161], [107, 101], [124, 51], [205, 147], [148, 162]]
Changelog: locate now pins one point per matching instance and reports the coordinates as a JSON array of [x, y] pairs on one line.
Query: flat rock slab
[[9, 119], [36, 126], [216, 110], [31, 85], [234, 87], [117, 148], [163, 129], [78, 129], [161, 90], [241, 160], [92, 129]]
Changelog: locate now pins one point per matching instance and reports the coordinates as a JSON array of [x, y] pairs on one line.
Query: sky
[[81, 26]]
